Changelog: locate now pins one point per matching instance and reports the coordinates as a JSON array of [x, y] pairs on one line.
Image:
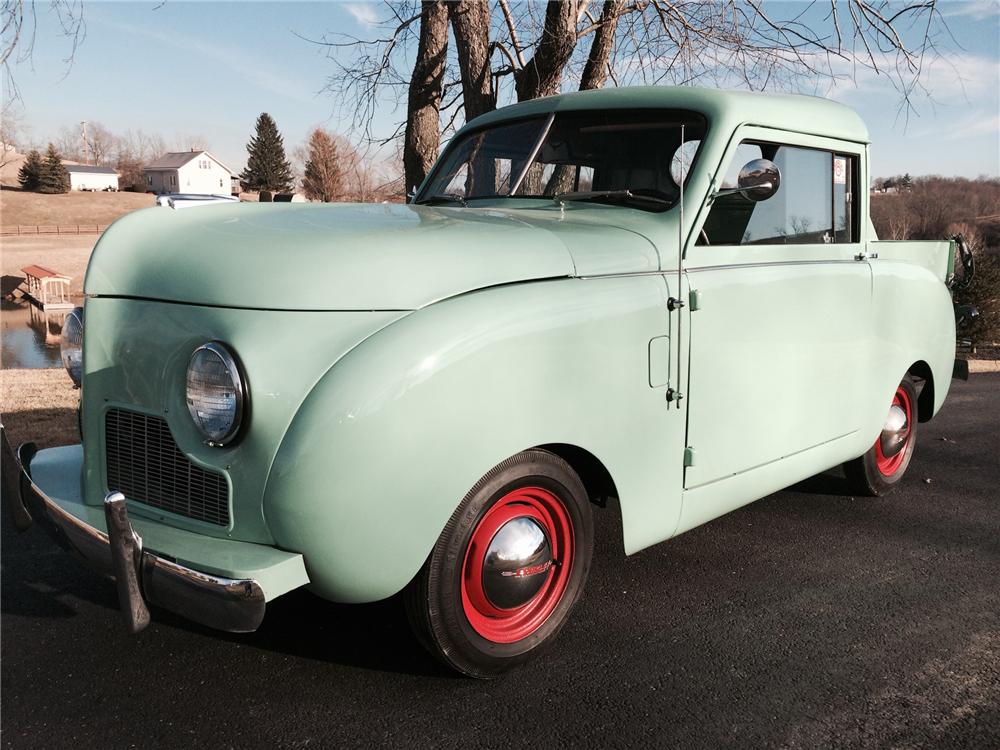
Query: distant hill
[[10, 164]]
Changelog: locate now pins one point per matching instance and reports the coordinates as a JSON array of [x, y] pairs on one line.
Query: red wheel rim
[[889, 465], [510, 625]]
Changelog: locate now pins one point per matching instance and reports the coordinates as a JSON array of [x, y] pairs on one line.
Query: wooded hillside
[[939, 207]]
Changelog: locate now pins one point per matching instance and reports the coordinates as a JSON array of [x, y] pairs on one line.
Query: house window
[[149, 180]]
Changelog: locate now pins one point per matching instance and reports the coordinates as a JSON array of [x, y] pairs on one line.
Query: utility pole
[[83, 130]]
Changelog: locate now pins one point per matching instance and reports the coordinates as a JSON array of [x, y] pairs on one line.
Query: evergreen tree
[[324, 178], [267, 168], [53, 177], [30, 173]]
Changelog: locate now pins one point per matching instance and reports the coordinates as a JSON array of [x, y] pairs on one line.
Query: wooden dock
[[46, 288]]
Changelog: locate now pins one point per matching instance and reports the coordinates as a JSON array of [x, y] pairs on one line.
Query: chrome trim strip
[[531, 157], [691, 269], [764, 264], [235, 605]]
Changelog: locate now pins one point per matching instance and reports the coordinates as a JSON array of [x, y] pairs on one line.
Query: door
[[782, 297]]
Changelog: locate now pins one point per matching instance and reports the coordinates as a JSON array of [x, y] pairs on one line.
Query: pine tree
[[53, 177], [267, 168], [30, 173], [324, 177]]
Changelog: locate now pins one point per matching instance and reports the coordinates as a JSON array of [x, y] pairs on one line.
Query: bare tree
[[11, 128], [323, 175], [18, 28], [190, 142], [595, 71], [134, 149], [99, 144], [470, 22], [542, 74], [70, 144], [423, 134], [716, 42]]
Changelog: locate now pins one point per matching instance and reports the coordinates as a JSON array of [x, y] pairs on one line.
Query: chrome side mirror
[[759, 180]]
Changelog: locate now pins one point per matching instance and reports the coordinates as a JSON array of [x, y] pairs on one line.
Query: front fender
[[391, 439]]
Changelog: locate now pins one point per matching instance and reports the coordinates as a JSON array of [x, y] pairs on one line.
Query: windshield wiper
[[587, 195], [442, 198]]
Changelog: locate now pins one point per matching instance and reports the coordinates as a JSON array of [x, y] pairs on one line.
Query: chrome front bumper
[[142, 577]]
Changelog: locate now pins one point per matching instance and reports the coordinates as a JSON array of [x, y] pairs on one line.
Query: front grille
[[145, 464]]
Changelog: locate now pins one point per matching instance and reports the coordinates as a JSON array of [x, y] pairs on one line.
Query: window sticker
[[839, 170]]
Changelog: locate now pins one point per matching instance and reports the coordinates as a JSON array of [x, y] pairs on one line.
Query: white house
[[188, 172], [83, 177]]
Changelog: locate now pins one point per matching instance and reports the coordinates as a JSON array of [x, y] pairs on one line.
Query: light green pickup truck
[[672, 297]]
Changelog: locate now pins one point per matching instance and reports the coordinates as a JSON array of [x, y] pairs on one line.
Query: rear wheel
[[508, 567], [878, 471]]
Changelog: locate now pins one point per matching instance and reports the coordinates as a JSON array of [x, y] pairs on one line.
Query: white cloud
[[951, 79], [974, 126], [363, 13], [225, 56], [978, 10]]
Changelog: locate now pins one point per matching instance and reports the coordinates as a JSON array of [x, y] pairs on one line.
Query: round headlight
[[216, 394], [71, 345]]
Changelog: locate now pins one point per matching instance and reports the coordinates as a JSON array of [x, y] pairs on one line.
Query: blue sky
[[208, 69]]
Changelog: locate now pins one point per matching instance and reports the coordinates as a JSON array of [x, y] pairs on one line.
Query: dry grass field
[[66, 254], [39, 405], [67, 209]]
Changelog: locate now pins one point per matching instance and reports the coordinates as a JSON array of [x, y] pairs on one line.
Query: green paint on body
[[395, 354]]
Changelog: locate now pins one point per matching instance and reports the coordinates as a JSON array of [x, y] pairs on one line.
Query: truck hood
[[347, 256]]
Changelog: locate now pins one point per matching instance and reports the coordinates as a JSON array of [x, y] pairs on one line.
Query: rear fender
[[913, 324]]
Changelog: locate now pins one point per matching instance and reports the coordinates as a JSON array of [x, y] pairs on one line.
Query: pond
[[29, 337]]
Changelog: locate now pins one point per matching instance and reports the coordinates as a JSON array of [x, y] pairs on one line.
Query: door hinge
[[694, 300], [689, 456]]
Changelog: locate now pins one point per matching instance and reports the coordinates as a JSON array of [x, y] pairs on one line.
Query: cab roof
[[795, 112]]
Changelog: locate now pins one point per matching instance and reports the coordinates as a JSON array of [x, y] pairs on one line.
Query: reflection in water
[[30, 337]]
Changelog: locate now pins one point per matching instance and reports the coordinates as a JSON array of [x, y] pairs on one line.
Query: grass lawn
[[67, 209], [39, 405]]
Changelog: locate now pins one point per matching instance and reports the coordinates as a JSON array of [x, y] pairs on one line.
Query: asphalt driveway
[[808, 619]]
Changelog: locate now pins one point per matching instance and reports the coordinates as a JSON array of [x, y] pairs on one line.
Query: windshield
[[597, 155]]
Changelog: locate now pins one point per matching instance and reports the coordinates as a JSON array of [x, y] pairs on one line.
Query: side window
[[815, 204]]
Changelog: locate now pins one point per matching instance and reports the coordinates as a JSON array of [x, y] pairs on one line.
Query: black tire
[[438, 599], [868, 474]]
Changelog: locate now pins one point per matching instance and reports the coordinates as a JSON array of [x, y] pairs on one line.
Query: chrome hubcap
[[894, 432], [517, 563]]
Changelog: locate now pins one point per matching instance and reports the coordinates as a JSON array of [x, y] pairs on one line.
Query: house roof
[[88, 169], [177, 159]]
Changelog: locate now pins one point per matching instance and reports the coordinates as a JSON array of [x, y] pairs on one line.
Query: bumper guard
[[141, 577]]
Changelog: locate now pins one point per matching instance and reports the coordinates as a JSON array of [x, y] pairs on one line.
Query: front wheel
[[508, 567], [877, 472]]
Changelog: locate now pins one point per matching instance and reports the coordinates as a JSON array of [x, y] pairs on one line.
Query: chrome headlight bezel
[[71, 349], [238, 381]]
